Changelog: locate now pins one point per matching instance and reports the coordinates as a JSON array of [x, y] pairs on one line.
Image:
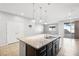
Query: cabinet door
[[54, 49], [49, 49], [49, 52], [22, 48], [30, 51], [57, 46]]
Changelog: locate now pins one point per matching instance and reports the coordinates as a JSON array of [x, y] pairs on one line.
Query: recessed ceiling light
[[45, 23], [40, 21], [33, 21], [69, 14], [21, 14], [50, 29]]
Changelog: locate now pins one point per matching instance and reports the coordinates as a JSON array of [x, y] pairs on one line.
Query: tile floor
[[70, 48]]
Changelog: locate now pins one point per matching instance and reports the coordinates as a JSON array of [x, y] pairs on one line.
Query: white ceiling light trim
[[45, 23], [33, 21], [22, 14]]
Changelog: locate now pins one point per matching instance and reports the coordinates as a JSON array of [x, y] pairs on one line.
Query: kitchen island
[[39, 45]]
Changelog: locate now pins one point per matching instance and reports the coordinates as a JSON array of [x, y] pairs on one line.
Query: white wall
[[2, 30], [61, 28], [10, 24], [46, 29], [15, 28], [35, 29], [61, 32]]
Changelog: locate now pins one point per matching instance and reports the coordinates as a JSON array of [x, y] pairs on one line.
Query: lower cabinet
[[55, 47], [30, 51], [54, 50], [50, 49], [42, 51]]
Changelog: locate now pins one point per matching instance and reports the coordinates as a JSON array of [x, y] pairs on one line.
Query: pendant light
[[46, 15], [40, 18], [33, 14]]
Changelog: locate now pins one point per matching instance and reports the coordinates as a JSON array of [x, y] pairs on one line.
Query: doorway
[[69, 30]]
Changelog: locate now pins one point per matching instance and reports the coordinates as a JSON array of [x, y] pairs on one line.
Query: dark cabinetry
[[55, 47], [54, 50], [50, 49], [30, 51], [42, 51]]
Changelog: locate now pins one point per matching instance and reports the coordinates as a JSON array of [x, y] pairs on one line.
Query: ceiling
[[55, 11]]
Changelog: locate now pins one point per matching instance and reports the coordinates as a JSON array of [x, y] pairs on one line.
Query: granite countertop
[[37, 41]]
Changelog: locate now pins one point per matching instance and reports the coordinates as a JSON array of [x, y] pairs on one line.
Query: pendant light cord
[[33, 11]]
